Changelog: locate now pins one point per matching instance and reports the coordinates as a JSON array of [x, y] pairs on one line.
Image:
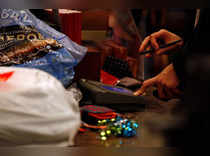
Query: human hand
[[166, 82], [163, 35]]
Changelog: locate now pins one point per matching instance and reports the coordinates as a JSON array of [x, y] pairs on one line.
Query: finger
[[144, 44], [148, 83], [145, 85], [164, 50], [159, 34], [161, 92], [154, 43], [148, 55], [169, 93], [138, 92]]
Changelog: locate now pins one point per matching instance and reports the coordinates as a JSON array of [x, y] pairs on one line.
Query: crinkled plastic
[[36, 109], [22, 24]]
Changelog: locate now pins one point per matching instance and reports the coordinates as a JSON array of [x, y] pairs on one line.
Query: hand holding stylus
[[171, 41]]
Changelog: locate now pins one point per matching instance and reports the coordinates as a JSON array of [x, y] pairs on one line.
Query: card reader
[[115, 97]]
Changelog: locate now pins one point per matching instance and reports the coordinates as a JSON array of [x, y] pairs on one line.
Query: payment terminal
[[115, 97]]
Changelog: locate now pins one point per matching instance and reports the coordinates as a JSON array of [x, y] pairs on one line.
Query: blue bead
[[118, 118], [135, 125], [128, 123], [129, 129], [133, 133], [125, 133], [123, 126]]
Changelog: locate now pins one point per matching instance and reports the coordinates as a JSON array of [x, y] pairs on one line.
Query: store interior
[[78, 78]]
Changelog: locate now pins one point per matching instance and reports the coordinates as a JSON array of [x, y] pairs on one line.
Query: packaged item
[[26, 41]]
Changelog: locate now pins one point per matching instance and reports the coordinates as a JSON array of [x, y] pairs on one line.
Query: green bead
[[113, 128], [103, 138], [113, 119], [103, 133], [108, 132], [119, 132], [103, 121], [119, 129], [99, 122]]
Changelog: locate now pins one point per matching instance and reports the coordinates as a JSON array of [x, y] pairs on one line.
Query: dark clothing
[[198, 44], [192, 66]]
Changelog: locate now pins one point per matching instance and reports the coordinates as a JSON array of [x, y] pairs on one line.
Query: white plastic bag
[[35, 109]]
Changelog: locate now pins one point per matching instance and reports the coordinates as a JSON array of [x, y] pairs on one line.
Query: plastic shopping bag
[[36, 109], [21, 25]]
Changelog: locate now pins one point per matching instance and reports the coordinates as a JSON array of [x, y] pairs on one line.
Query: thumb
[[148, 83]]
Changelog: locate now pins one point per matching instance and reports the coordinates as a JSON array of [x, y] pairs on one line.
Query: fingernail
[[135, 93], [138, 93]]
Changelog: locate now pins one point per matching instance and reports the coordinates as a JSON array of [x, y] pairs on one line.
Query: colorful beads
[[103, 133], [108, 132], [103, 138], [118, 127], [104, 121], [113, 119]]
